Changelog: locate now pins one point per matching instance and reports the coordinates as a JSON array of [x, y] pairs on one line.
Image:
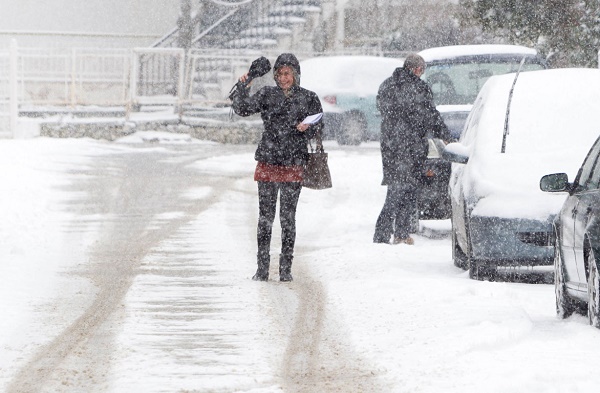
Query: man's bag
[[316, 172]]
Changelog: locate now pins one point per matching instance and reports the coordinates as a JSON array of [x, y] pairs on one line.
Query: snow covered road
[[168, 297], [125, 267]]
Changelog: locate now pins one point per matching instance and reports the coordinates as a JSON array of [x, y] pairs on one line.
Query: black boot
[[285, 268], [262, 273]]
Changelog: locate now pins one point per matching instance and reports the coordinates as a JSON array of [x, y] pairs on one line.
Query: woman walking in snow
[[281, 154]]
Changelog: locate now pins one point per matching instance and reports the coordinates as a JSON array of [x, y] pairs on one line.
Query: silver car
[[457, 73]]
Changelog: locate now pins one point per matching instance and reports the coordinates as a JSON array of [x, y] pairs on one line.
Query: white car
[[500, 217], [347, 87], [457, 73]]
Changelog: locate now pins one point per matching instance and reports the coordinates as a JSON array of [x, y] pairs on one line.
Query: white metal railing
[[4, 95], [157, 76], [39, 79], [209, 77], [73, 76], [8, 104]]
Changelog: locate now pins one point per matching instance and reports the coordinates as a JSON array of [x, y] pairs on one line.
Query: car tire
[[474, 267], [482, 273], [353, 129], [472, 264], [565, 306], [458, 256], [477, 271], [593, 289]]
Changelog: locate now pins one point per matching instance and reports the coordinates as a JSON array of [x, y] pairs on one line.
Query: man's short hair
[[413, 61]]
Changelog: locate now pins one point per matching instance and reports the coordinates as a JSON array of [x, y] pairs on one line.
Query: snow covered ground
[[358, 317]]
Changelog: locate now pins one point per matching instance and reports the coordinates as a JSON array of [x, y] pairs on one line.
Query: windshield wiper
[[503, 149]]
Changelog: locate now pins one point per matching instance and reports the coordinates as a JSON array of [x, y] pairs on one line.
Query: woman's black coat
[[408, 116], [281, 143]]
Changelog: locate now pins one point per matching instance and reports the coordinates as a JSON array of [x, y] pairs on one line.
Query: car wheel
[[564, 304], [458, 256], [482, 273], [473, 268], [593, 290], [472, 264], [477, 270], [353, 129]]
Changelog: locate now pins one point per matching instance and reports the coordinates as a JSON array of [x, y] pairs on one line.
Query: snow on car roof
[[552, 125], [449, 52], [357, 75]]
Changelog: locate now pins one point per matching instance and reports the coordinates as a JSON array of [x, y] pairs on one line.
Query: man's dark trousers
[[398, 209]]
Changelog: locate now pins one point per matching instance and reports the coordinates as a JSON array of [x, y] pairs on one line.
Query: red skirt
[[277, 173]]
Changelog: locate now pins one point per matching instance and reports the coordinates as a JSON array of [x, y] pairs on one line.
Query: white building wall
[[105, 23]]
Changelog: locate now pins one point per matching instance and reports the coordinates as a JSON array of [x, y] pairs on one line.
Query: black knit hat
[[287, 59]]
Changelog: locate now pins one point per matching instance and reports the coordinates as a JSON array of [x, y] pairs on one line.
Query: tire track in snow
[[128, 191], [318, 358]]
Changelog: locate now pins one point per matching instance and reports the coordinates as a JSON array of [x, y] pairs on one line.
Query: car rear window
[[459, 83]]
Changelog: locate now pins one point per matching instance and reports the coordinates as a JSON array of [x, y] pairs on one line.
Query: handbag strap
[[319, 144]]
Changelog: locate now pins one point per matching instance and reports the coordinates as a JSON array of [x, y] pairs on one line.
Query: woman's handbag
[[316, 171]]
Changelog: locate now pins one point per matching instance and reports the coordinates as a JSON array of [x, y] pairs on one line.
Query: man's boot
[[285, 267], [262, 273]]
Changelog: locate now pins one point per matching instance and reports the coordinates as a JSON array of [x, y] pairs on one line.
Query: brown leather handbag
[[316, 171]]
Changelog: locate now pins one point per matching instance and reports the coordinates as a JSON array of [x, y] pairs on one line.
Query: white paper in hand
[[312, 119]]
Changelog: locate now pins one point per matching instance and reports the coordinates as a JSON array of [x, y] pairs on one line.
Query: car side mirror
[[456, 152], [555, 182]]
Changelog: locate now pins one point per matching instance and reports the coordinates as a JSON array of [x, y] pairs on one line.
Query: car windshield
[[459, 83]]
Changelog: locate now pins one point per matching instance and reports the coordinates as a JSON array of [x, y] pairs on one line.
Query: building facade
[[90, 23]]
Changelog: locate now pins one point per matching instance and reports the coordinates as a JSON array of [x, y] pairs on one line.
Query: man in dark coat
[[281, 154], [408, 115]]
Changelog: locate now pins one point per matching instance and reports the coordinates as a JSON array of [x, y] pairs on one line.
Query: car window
[[589, 176], [470, 131], [459, 83]]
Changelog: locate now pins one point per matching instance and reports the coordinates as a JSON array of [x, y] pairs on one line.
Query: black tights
[[267, 204]]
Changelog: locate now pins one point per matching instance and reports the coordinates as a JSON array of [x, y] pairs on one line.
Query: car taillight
[[330, 100]]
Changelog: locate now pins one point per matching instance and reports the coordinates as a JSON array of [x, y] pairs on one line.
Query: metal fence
[[157, 76], [5, 129], [41, 79], [210, 76], [71, 77]]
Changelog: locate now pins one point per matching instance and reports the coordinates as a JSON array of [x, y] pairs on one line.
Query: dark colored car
[[577, 239], [434, 203]]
